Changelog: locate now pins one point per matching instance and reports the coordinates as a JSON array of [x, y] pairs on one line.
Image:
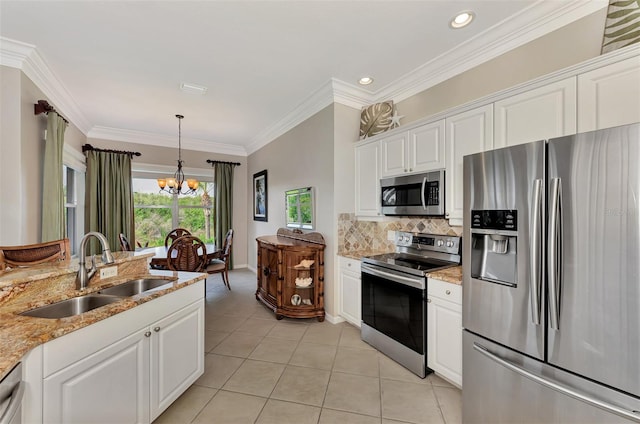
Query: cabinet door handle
[[266, 271], [147, 334], [448, 292], [428, 300], [156, 329]]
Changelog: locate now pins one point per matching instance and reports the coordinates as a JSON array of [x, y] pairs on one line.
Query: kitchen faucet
[[83, 277]]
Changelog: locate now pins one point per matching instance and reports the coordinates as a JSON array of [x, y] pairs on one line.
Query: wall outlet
[[391, 235], [108, 272]]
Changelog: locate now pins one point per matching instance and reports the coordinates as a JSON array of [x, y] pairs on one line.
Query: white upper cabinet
[[467, 133], [538, 114], [368, 179], [609, 96], [420, 149]]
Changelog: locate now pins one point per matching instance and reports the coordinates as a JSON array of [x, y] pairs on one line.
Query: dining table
[[159, 259]]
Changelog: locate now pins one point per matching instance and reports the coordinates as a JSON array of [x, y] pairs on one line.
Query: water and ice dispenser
[[494, 239]]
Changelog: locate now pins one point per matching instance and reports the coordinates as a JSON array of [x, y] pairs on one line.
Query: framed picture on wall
[[260, 196]]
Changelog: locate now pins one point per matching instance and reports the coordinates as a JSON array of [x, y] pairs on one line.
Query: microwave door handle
[[554, 253], [422, 196], [536, 239]]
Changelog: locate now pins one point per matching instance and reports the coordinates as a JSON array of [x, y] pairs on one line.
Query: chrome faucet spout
[[84, 275]]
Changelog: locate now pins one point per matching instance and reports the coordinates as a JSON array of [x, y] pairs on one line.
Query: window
[[157, 213], [73, 190], [299, 204]]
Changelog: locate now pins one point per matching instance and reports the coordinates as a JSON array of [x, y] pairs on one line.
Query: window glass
[[157, 213], [69, 188], [300, 208]]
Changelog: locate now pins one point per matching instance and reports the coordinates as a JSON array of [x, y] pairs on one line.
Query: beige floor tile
[[302, 385], [213, 338], [255, 378], [351, 338], [388, 421], [314, 356], [187, 406], [263, 313], [439, 381], [274, 350], [394, 371], [450, 401], [257, 326], [287, 331], [330, 416], [231, 408], [415, 403], [323, 333], [218, 369], [353, 393], [279, 412], [224, 323], [238, 344], [356, 361]]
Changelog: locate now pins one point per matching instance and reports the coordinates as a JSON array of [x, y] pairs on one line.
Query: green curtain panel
[[622, 26], [53, 223], [223, 180], [109, 198]]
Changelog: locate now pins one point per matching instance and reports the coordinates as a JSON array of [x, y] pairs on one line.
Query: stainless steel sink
[[134, 287], [71, 307]]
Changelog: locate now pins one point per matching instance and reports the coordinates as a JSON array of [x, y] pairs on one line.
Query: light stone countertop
[[29, 288]]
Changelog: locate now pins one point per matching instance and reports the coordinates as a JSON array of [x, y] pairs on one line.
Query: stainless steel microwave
[[419, 194]]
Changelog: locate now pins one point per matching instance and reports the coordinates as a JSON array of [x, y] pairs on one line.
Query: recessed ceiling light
[[193, 88], [462, 19], [365, 81]]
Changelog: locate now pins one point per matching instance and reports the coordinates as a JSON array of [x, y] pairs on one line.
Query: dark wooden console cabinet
[[287, 282]]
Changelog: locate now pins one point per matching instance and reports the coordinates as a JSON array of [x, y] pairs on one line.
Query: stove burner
[[406, 260]]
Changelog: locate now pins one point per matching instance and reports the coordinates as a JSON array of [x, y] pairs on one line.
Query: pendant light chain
[[174, 185]]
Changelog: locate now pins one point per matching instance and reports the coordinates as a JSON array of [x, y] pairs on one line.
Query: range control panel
[[506, 219], [433, 242]]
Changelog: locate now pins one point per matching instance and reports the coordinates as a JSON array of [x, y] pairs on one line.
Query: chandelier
[[173, 185]]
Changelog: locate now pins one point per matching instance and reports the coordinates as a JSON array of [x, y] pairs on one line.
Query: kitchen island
[[53, 351]]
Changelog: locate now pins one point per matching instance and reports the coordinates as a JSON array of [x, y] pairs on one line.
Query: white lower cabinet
[[444, 327], [126, 368], [350, 291]]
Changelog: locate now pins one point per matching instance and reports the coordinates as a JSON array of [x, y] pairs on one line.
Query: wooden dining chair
[[124, 243], [33, 254], [174, 235], [221, 265], [187, 253]]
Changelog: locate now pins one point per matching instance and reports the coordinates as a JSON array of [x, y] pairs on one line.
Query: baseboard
[[240, 266], [332, 319], [251, 268]]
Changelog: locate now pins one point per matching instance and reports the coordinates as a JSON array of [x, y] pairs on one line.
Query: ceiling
[[114, 67]]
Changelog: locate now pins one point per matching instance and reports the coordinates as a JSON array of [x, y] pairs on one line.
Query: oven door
[[394, 304]]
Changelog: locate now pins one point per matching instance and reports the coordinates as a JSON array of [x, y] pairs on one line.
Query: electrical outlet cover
[[108, 272]]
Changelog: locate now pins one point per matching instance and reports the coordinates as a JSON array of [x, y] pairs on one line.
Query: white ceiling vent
[[188, 87]]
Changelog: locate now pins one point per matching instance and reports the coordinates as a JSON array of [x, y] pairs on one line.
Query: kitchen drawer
[[446, 291], [348, 264]]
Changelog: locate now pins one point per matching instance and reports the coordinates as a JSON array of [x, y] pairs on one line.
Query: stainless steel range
[[394, 295]]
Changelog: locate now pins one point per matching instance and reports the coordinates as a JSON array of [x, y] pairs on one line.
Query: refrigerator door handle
[[632, 415], [536, 244], [554, 253]]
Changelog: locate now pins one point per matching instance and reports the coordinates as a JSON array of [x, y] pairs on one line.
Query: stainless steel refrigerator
[[551, 281]]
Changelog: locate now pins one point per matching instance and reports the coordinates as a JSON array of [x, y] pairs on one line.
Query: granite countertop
[[451, 275], [359, 254], [26, 289]]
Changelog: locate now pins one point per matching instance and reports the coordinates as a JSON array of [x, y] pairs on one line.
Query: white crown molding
[[541, 18], [25, 57], [333, 91], [147, 138]]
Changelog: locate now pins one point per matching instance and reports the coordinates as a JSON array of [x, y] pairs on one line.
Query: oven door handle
[[417, 282]]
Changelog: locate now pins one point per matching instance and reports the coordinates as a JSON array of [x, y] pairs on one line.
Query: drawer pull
[[147, 334], [428, 300], [156, 329], [448, 292]]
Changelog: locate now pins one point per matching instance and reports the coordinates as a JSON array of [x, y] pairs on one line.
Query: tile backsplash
[[371, 236]]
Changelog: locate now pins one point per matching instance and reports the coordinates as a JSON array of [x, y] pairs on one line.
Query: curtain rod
[[87, 147], [43, 106], [213, 162]]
